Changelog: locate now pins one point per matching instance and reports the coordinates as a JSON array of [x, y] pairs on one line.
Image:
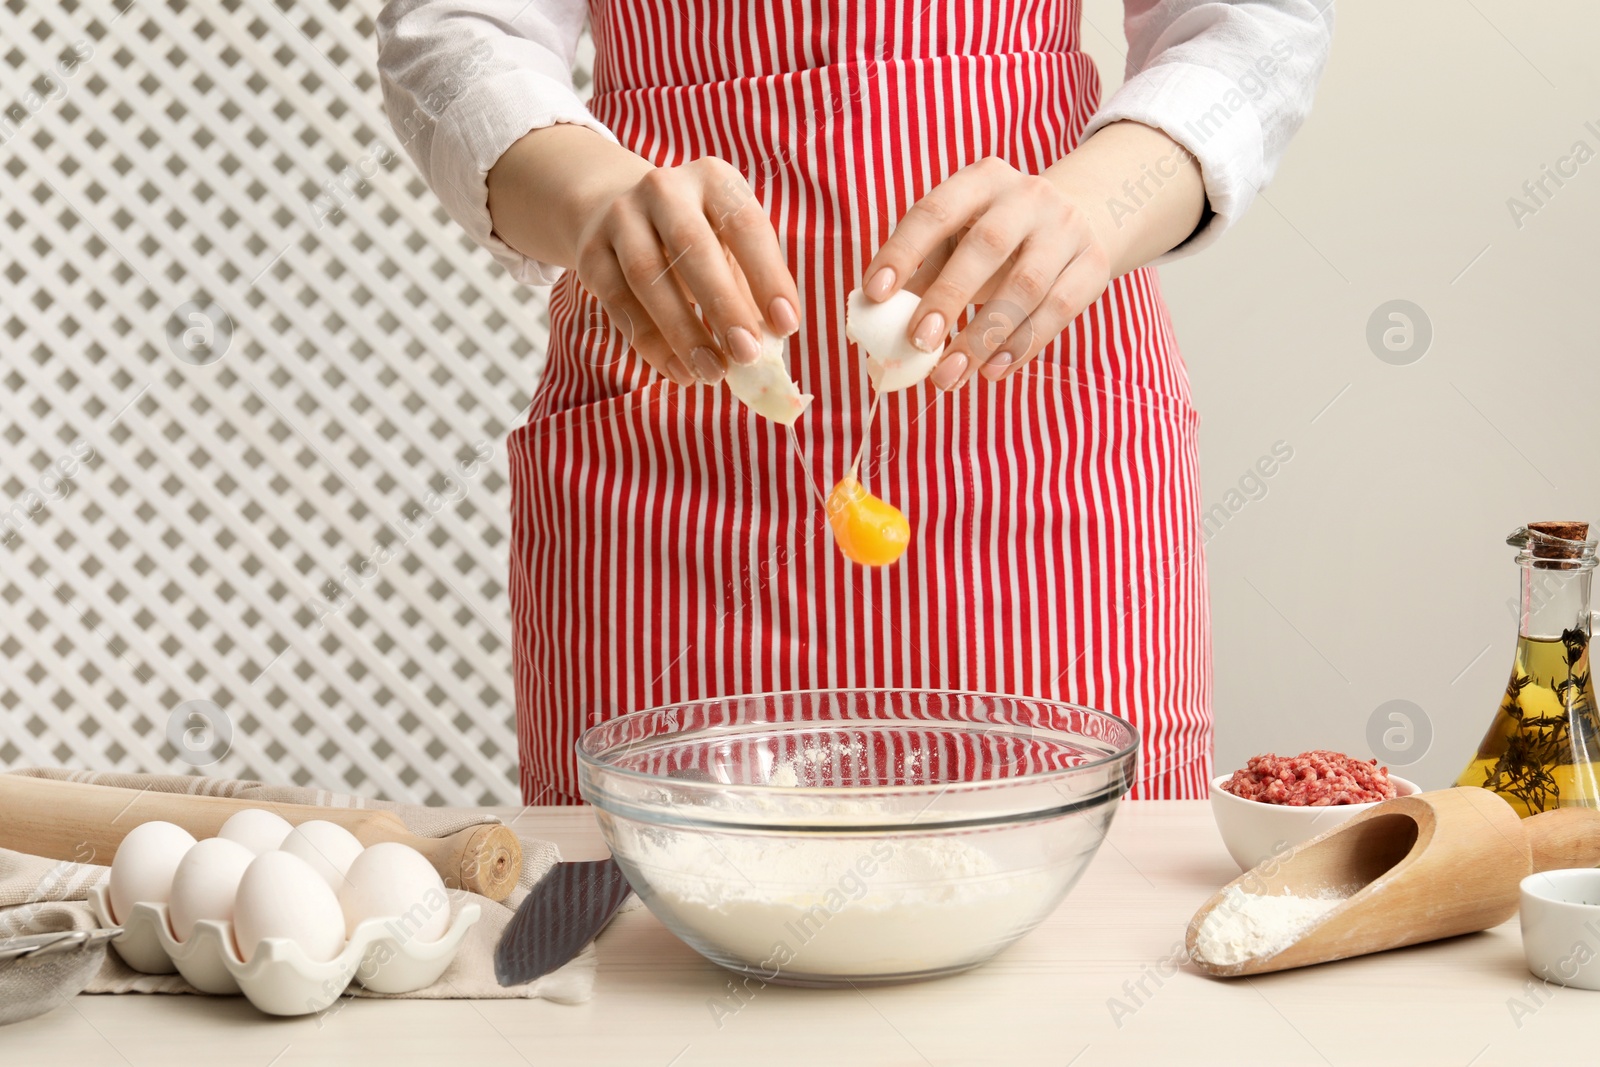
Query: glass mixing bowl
[[855, 836]]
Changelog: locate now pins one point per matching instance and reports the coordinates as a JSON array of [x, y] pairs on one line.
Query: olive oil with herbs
[[1542, 751]]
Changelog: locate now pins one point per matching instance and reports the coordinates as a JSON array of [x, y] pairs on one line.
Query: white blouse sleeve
[[462, 82], [1230, 82]]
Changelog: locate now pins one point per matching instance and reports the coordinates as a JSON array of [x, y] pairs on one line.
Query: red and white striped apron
[[665, 544]]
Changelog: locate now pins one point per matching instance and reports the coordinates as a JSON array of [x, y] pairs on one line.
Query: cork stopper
[[1545, 548], [1557, 540]]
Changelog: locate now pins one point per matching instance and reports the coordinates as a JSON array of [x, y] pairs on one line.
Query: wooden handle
[[1566, 837], [85, 823]]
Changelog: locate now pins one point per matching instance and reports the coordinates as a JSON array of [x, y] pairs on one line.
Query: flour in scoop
[[1244, 926], [842, 906]]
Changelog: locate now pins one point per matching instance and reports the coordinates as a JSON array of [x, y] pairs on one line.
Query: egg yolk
[[869, 531]]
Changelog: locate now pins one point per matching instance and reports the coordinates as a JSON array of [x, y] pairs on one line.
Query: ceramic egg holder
[[280, 979]]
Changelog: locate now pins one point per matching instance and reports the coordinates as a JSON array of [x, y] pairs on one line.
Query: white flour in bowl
[[836, 906]]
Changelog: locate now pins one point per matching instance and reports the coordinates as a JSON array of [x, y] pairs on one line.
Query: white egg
[[328, 847], [880, 328], [205, 884], [281, 896], [143, 867], [256, 829], [765, 386], [395, 882]]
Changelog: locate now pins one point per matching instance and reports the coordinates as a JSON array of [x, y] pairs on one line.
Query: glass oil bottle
[[1542, 750]]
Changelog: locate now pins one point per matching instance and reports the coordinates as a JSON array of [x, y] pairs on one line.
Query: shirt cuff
[[1213, 120], [472, 135]]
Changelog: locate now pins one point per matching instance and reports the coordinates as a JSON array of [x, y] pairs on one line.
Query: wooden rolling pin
[[86, 823], [1413, 869]]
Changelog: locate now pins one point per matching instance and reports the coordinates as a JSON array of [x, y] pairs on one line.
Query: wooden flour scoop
[[1413, 869], [77, 821]]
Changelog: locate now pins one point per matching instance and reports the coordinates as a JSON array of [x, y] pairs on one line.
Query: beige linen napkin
[[38, 895]]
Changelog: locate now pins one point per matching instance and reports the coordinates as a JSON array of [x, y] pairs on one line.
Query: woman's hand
[[679, 237], [1034, 250], [1015, 243], [662, 248]]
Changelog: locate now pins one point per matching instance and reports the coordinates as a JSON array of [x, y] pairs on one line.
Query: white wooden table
[[1085, 988]]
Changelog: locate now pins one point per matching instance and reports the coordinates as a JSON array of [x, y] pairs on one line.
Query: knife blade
[[566, 910]]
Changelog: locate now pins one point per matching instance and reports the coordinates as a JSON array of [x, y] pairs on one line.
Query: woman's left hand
[[1034, 250], [1013, 242]]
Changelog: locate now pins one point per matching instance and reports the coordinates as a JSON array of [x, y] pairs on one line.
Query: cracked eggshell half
[[765, 386], [893, 362]]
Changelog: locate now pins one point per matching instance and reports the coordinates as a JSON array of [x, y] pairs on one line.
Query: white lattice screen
[[241, 347]]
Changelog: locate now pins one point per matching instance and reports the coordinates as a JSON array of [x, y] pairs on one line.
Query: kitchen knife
[[568, 907]]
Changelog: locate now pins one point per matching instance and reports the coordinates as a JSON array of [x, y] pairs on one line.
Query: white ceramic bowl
[[1255, 832], [1561, 926]]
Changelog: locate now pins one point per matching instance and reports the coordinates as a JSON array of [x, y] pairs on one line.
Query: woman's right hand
[[675, 239], [652, 244]]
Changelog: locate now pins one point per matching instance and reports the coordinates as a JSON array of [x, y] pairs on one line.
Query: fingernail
[[782, 315], [997, 366], [742, 346], [706, 366], [676, 372], [949, 372], [879, 284], [930, 331]]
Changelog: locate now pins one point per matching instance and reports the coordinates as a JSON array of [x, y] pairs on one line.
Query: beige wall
[[1374, 569]]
